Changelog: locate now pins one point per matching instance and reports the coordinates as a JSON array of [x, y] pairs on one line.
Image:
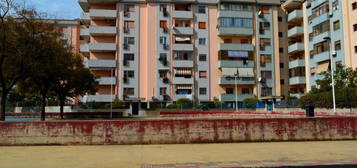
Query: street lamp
[[331, 53]]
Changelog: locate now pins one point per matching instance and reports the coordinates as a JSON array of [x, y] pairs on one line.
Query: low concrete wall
[[176, 131]]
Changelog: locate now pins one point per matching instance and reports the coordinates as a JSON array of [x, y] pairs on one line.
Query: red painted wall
[[176, 131]]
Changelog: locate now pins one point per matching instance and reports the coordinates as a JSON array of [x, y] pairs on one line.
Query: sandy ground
[[130, 156]]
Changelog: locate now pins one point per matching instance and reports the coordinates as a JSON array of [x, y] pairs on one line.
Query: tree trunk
[[61, 108], [2, 106], [43, 108]]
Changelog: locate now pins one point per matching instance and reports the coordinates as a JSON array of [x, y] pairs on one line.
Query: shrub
[[250, 102], [184, 103], [171, 106]]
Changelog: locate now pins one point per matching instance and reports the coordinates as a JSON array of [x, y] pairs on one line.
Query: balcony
[[98, 98], [180, 96], [296, 47], [322, 57], [240, 81], [183, 31], [183, 64], [100, 64], [235, 64], [183, 47], [295, 16], [292, 4], [84, 32], [297, 63], [85, 16], [102, 47], [182, 80], [235, 46], [177, 14], [102, 30], [102, 14], [106, 81], [297, 80], [235, 31], [232, 97], [295, 31], [242, 14], [297, 95], [84, 4], [84, 48]]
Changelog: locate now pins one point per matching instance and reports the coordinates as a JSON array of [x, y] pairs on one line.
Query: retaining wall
[[176, 131]]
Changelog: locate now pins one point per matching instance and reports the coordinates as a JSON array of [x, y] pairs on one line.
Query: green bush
[[250, 102], [171, 106], [184, 103]]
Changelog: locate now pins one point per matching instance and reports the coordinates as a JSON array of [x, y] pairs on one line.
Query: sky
[[57, 9]]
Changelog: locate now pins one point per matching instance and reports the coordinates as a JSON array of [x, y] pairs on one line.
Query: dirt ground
[[131, 156]]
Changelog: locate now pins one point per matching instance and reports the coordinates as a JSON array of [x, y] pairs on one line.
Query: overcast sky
[[59, 9]]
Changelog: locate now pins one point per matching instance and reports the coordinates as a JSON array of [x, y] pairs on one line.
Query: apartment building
[[322, 34], [166, 50]]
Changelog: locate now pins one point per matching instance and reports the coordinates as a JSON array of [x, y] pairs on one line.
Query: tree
[[48, 51], [250, 102], [15, 48], [73, 79], [345, 89]]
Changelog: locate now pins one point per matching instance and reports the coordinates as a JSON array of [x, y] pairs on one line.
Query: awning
[[245, 72], [183, 71], [323, 67], [182, 38], [238, 54], [229, 71], [183, 86]]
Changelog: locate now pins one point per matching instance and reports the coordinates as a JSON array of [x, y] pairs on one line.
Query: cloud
[[60, 9]]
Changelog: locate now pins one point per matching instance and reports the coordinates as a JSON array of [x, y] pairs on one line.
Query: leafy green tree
[[73, 79], [345, 89], [184, 103], [250, 102]]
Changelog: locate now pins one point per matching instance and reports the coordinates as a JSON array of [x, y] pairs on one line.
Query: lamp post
[[236, 87]]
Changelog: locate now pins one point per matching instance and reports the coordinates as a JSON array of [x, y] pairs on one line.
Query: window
[[129, 8], [281, 65], [264, 25], [320, 48], [202, 25], [229, 91], [280, 34], [335, 5], [202, 41], [201, 9], [203, 91], [336, 25], [245, 91], [163, 90], [355, 49], [129, 74], [129, 57], [312, 71], [281, 50], [163, 40], [264, 42], [338, 45], [163, 24], [321, 28], [311, 36], [282, 82], [129, 91], [280, 19], [244, 41], [264, 58], [320, 10], [267, 91], [354, 5], [235, 22], [355, 27], [264, 9], [227, 40], [129, 25], [203, 74], [202, 57], [129, 40], [235, 7], [266, 74]]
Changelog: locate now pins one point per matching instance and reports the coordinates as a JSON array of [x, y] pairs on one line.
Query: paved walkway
[[189, 156]]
